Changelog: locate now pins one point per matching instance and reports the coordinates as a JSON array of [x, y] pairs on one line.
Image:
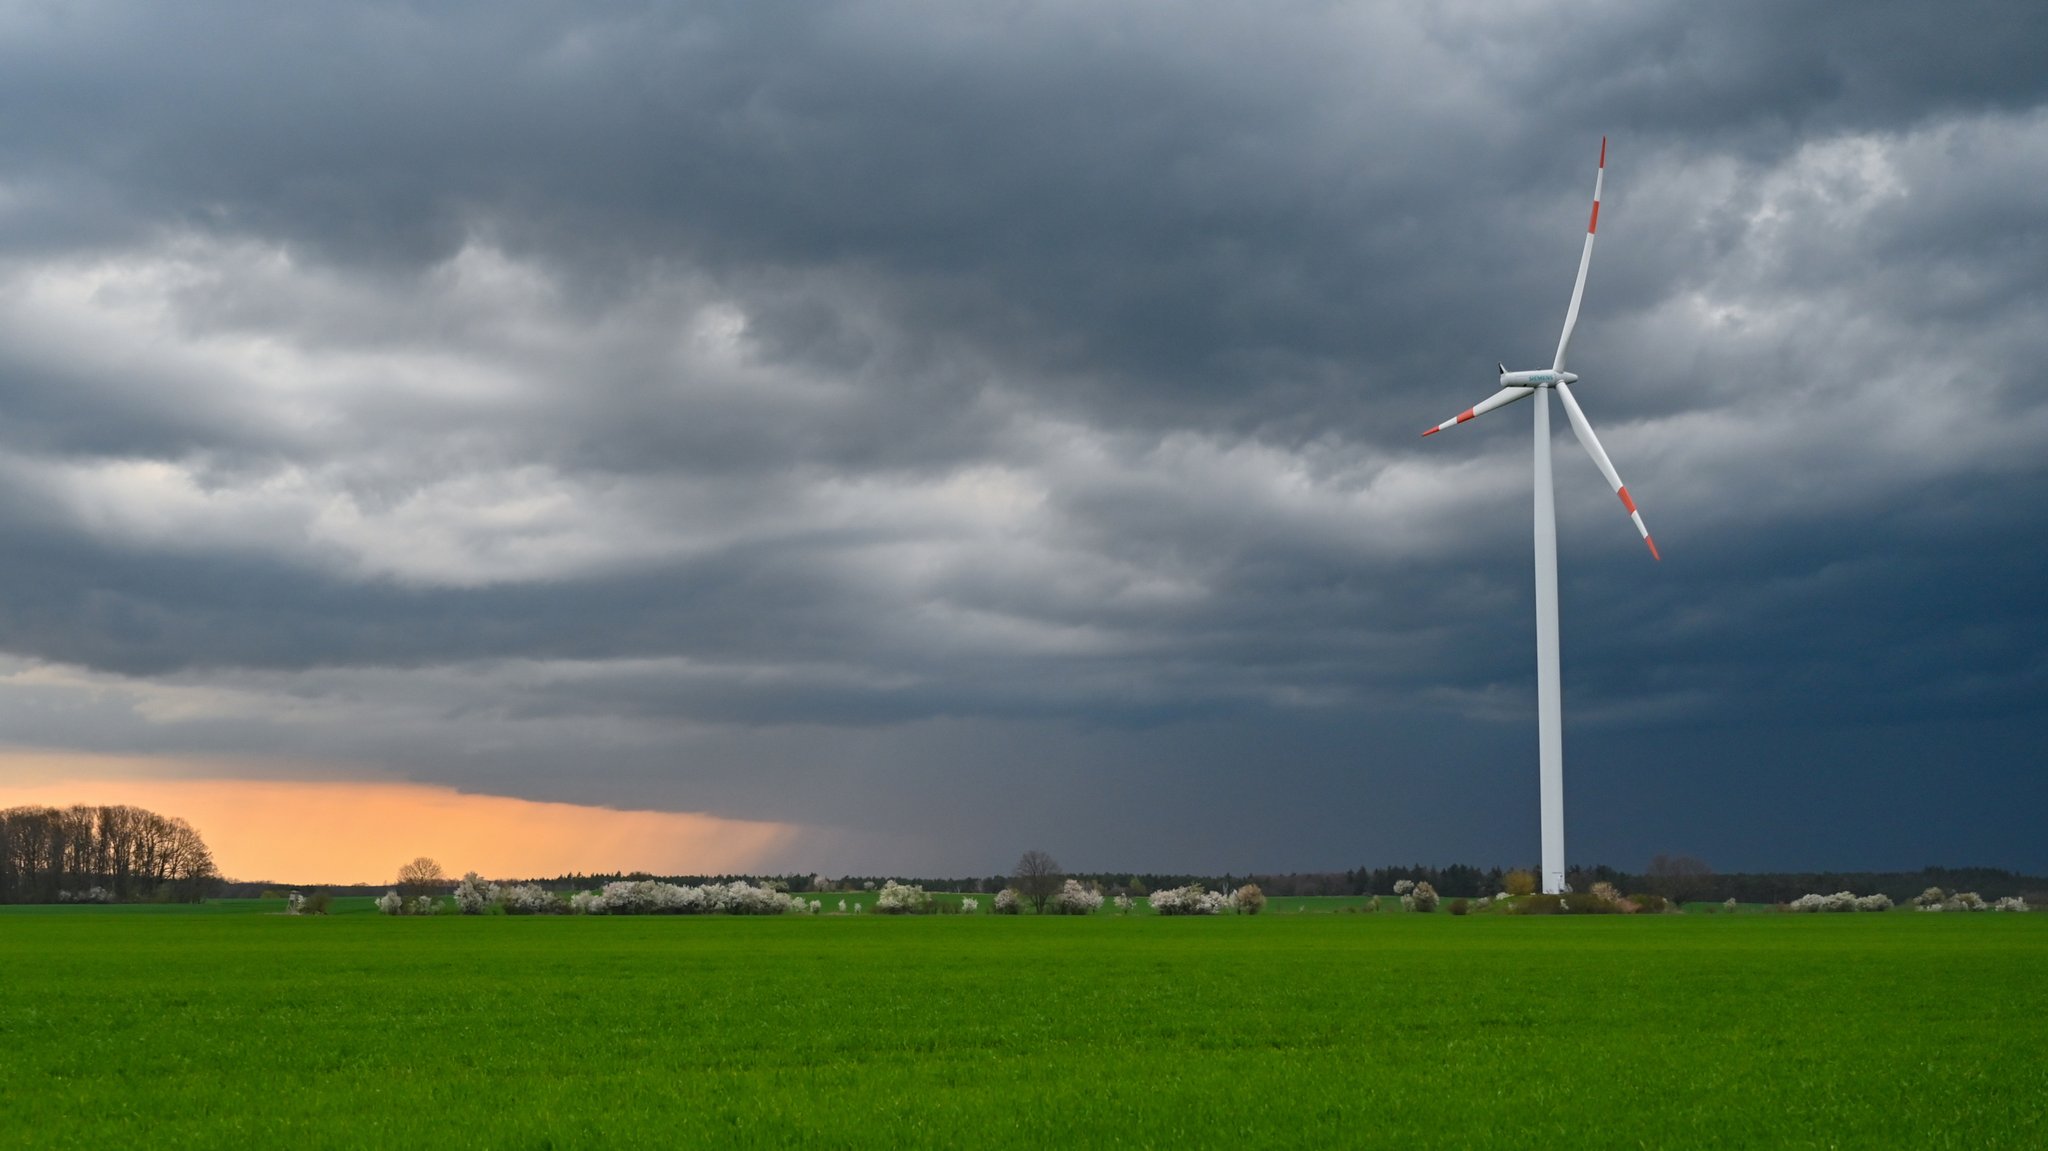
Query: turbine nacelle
[[1537, 378]]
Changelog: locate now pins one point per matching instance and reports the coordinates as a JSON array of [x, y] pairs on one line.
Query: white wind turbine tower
[[1520, 385]]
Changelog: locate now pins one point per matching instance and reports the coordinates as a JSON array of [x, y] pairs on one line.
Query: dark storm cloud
[[772, 408]]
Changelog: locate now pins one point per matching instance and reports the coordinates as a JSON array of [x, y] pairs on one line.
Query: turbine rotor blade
[[1584, 431], [1571, 315], [1499, 399]]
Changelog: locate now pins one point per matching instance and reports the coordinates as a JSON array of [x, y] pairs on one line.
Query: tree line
[[111, 853], [1680, 878]]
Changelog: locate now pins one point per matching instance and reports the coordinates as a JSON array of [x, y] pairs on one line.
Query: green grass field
[[224, 1027]]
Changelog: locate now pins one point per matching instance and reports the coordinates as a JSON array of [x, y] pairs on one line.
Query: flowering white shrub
[[1730, 905], [902, 899], [1074, 899], [1248, 900], [1403, 886], [842, 907], [1006, 902], [1189, 900], [1420, 897], [969, 905], [1932, 897], [523, 899], [294, 904], [1606, 892], [1502, 895], [2011, 903], [1841, 901], [424, 905], [1960, 901], [653, 897], [816, 906], [93, 894], [472, 895], [1123, 905], [390, 903]]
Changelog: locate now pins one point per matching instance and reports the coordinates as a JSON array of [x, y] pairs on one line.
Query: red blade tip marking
[[1653, 549], [1464, 415], [1432, 431], [1593, 225], [1603, 151], [1625, 501]]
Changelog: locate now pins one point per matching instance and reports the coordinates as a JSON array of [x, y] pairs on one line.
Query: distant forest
[[1677, 878], [111, 854]]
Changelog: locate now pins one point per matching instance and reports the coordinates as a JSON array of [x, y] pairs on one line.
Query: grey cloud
[[808, 399]]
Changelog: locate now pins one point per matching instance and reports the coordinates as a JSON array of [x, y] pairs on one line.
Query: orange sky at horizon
[[340, 832]]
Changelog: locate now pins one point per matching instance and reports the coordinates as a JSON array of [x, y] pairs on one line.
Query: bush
[[1650, 903], [651, 897], [472, 895], [316, 903], [1960, 901], [1074, 899], [1731, 905], [1123, 905], [294, 904], [1587, 903], [1249, 899], [1420, 897], [1519, 883], [1540, 905], [1190, 900], [1458, 907], [2011, 903], [1403, 886], [1839, 901], [969, 905], [1606, 892], [1006, 902], [903, 899], [391, 903], [524, 899]]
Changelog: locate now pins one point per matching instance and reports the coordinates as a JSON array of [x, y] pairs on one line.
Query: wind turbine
[[1520, 385]]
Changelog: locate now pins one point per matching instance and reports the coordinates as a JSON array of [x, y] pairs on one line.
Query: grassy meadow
[[225, 1026]]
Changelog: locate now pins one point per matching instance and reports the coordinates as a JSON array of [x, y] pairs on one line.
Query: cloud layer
[[973, 430]]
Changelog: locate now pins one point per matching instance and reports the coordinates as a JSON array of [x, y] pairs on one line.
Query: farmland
[[222, 1025]]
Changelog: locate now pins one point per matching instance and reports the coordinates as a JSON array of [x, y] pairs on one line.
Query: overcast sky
[[956, 429]]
